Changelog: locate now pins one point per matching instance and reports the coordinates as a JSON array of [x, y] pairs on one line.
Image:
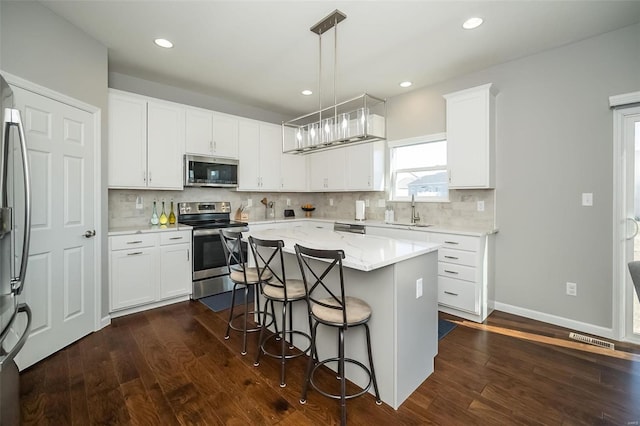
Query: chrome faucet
[[415, 217]]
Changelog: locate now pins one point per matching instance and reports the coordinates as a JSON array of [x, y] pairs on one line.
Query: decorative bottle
[[163, 217], [172, 216], [154, 215]]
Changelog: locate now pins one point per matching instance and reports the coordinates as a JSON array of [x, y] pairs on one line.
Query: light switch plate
[[331, 201], [249, 202], [480, 206], [587, 199], [139, 202]]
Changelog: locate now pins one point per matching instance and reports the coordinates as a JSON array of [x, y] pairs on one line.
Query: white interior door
[[628, 139], [60, 282]]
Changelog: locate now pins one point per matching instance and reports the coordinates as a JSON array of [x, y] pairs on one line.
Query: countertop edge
[[132, 230]]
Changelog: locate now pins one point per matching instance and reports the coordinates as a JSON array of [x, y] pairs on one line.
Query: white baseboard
[[105, 321], [573, 325]]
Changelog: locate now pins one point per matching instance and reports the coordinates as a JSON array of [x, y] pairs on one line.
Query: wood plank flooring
[[172, 366]]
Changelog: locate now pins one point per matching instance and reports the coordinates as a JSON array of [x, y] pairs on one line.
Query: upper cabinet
[[327, 170], [293, 169], [146, 142], [211, 133], [471, 137], [260, 148], [365, 166]]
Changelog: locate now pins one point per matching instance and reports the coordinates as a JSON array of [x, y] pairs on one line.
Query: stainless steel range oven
[[210, 274]]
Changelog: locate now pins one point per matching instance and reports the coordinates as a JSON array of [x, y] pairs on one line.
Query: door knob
[[89, 234]]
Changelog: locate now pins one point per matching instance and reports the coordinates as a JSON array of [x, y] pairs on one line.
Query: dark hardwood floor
[[172, 366]]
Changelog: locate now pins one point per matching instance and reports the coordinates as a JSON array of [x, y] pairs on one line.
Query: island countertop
[[362, 252]]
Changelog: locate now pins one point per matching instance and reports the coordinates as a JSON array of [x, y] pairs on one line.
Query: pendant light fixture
[[357, 120]]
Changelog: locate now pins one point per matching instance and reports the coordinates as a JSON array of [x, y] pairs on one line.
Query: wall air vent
[[592, 341]]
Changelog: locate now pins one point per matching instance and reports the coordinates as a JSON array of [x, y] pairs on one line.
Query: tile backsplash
[[461, 211]]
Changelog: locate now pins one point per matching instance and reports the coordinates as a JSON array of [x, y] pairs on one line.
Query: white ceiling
[[262, 53]]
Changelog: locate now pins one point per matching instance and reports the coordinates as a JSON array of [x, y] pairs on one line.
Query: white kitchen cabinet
[[148, 270], [165, 145], [146, 142], [260, 149], [211, 133], [327, 170], [471, 137], [293, 170], [133, 270], [175, 264], [127, 141], [465, 275], [365, 166]]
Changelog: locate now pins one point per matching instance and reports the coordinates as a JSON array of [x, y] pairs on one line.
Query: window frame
[[418, 140]]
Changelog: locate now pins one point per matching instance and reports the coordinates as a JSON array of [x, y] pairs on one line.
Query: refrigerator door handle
[[23, 307], [17, 282]]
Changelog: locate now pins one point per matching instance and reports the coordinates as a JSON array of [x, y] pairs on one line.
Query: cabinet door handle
[[450, 293], [187, 255], [134, 253], [175, 238], [450, 272], [455, 243], [450, 257], [134, 242]]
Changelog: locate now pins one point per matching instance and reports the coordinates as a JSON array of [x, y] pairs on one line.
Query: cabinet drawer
[[176, 237], [460, 242], [459, 257], [457, 293], [122, 242], [457, 271]]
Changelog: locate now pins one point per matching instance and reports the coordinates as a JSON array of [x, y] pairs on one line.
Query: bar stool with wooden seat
[[269, 261], [243, 277], [333, 309]]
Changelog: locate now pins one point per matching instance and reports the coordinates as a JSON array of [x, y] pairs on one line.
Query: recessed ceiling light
[[307, 92], [472, 23], [406, 84], [163, 43]]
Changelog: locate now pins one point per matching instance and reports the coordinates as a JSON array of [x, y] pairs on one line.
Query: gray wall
[[554, 141], [39, 46], [188, 97]]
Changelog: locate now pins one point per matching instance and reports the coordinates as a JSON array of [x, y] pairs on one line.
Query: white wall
[[554, 141], [39, 46]]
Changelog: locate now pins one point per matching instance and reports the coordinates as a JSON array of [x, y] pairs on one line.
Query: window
[[419, 168]]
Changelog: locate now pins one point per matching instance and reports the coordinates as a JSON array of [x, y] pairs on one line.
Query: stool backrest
[[234, 252], [634, 270], [316, 276], [269, 260]]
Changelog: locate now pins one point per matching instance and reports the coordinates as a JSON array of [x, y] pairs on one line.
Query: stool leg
[[291, 346], [283, 344], [373, 373], [246, 314], [233, 303], [307, 376], [260, 337], [343, 379]]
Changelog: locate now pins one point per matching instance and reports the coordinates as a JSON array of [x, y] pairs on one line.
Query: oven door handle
[[215, 231]]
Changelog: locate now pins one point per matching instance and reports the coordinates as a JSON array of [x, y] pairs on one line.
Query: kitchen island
[[398, 279]]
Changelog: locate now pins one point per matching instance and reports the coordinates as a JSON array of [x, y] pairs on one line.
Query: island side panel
[[377, 288], [417, 323]]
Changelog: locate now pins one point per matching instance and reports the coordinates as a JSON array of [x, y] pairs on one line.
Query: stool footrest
[[338, 396], [289, 356], [250, 313]]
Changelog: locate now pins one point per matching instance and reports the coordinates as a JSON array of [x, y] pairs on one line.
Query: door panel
[[60, 282]]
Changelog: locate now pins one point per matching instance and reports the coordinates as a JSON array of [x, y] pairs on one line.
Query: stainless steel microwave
[[210, 171]]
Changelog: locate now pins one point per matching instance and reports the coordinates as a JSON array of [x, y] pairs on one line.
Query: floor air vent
[[592, 341]]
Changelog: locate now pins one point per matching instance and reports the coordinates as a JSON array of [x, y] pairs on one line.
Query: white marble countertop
[[362, 252], [378, 223], [127, 230]]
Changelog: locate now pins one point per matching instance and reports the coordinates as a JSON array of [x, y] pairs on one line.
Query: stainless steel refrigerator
[[15, 224]]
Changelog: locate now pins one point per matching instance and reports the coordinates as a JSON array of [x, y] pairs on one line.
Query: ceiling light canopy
[[307, 92], [472, 23], [406, 84], [357, 120]]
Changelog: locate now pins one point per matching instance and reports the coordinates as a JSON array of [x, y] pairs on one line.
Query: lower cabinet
[[147, 269], [465, 275]]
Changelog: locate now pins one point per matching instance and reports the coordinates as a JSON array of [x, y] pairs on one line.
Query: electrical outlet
[[418, 288], [249, 202], [331, 201], [572, 289], [288, 202], [139, 202], [480, 206], [366, 202]]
